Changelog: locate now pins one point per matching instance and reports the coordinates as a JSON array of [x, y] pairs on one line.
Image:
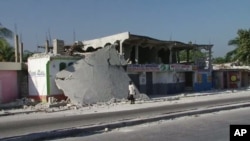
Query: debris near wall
[[98, 77], [19, 103]]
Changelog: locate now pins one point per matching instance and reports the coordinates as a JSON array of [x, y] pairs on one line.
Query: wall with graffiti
[[158, 79], [230, 79], [203, 81]]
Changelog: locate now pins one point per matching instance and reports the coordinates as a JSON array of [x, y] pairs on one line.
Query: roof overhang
[[133, 40]]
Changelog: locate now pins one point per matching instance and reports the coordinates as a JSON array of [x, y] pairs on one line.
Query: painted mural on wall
[[147, 67], [203, 81], [234, 79], [158, 67], [180, 67]]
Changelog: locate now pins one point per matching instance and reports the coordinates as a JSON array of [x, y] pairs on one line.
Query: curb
[[14, 113], [88, 130]]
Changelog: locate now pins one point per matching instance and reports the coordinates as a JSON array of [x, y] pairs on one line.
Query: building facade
[[231, 78], [12, 81], [155, 66], [42, 69]]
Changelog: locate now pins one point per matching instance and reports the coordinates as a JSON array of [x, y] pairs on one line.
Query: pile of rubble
[[31, 104], [54, 105], [19, 103], [98, 77]]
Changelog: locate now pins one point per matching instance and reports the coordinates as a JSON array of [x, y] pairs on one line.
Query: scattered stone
[[58, 104]]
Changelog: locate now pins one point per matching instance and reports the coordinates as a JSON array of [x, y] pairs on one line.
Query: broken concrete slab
[[98, 77]]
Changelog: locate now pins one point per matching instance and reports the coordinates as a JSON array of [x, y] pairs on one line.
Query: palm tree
[[5, 32], [6, 51], [242, 43], [26, 55]]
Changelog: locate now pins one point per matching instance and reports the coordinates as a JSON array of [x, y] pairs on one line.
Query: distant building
[[228, 76]]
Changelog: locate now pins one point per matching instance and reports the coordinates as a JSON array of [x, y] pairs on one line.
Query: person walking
[[131, 92]]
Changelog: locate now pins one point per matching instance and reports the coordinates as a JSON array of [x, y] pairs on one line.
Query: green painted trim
[[48, 70], [48, 77]]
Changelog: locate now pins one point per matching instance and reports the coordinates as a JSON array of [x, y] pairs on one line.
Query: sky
[[199, 21]]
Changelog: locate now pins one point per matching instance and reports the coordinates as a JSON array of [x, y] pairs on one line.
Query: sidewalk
[[113, 105], [124, 106]]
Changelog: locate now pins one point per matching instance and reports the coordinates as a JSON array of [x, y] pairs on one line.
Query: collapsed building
[[100, 69], [85, 78], [98, 77], [155, 66]]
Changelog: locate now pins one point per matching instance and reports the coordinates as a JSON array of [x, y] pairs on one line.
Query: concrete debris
[[142, 97], [99, 77], [30, 104], [19, 103], [58, 104]]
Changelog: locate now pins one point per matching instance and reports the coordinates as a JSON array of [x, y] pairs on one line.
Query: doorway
[[189, 81]]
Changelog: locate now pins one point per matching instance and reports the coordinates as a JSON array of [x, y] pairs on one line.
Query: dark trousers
[[131, 97]]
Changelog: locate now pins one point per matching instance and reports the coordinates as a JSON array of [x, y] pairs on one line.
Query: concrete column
[[121, 47], [136, 54], [178, 56], [47, 46], [209, 59], [188, 56], [16, 48], [170, 55], [21, 52]]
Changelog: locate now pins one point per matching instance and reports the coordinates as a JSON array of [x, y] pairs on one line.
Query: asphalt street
[[207, 127], [22, 127]]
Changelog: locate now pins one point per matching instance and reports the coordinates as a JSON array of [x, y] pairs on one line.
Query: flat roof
[[132, 39], [12, 66], [148, 41]]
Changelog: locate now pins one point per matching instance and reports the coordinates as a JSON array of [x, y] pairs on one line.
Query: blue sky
[[199, 21]]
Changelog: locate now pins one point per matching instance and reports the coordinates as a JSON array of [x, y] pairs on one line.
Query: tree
[[6, 51], [26, 55], [193, 55], [242, 43], [219, 60], [5, 32]]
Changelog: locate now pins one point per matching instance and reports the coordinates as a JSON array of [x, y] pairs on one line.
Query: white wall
[[37, 76], [168, 77], [100, 42], [53, 70]]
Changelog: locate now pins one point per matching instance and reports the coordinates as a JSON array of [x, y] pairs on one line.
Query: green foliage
[[193, 55], [26, 55], [5, 32], [219, 60], [6, 51], [242, 43]]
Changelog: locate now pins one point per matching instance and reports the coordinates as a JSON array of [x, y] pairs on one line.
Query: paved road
[[16, 128], [207, 127]]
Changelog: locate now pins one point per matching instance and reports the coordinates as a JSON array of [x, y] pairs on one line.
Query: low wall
[[8, 86]]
